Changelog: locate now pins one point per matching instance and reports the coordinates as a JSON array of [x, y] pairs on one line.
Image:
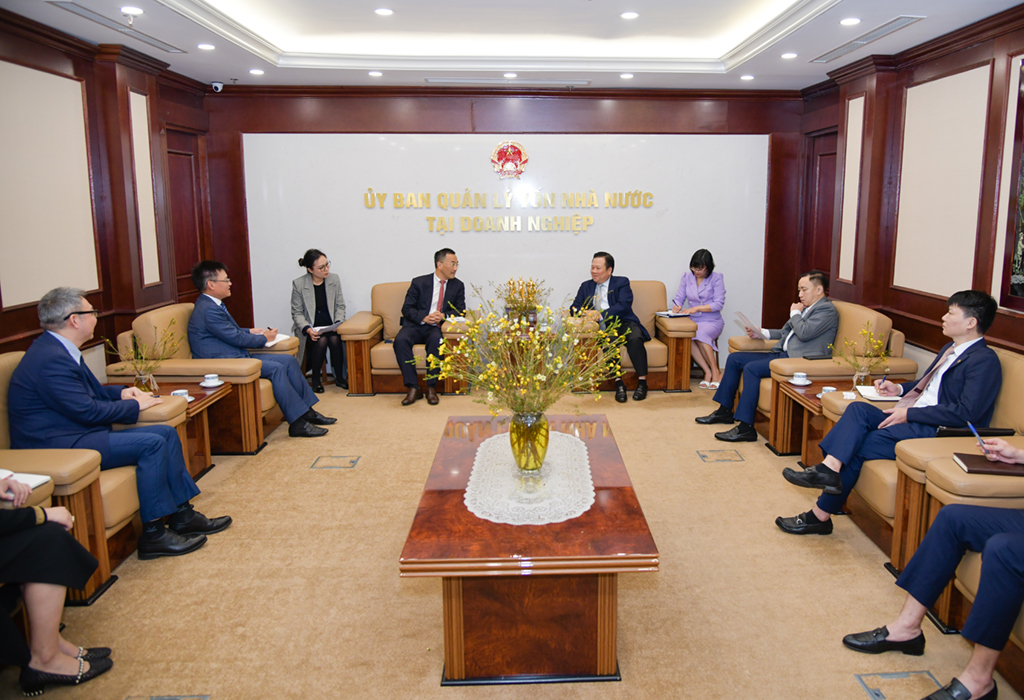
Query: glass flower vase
[[529, 437], [146, 382], [862, 377]]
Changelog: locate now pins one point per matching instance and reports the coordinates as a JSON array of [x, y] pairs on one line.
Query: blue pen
[[978, 438]]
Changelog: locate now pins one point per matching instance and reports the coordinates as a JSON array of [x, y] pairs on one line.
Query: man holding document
[[811, 328], [959, 387]]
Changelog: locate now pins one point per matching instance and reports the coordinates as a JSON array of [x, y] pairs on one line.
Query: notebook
[[980, 464], [33, 480]]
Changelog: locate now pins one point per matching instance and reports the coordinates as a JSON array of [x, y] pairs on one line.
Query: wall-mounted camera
[[217, 86]]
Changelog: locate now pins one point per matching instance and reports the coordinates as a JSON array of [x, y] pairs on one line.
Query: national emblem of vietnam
[[509, 159]]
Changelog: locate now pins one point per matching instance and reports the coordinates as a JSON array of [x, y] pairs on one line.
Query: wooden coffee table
[[532, 603], [797, 424], [197, 425]]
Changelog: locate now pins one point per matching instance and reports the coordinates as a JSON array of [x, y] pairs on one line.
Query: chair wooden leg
[[87, 508]]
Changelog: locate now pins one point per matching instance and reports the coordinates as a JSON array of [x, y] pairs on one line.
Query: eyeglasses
[[226, 279], [321, 268], [92, 312]]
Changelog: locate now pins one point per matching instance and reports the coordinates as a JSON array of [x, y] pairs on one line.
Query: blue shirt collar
[[75, 353]]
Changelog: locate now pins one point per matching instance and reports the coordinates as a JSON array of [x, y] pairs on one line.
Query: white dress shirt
[[435, 296], [930, 395]]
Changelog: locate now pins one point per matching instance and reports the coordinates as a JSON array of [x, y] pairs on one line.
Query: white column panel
[[851, 187], [145, 206]]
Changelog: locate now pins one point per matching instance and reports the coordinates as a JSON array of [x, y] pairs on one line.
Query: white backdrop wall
[[307, 190]]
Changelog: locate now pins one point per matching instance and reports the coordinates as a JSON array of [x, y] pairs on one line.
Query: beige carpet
[[301, 597]]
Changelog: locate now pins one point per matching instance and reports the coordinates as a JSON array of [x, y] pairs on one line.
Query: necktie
[[440, 297], [914, 394]]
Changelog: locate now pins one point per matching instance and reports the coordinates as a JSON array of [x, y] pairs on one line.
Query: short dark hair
[[311, 256], [703, 258], [205, 271], [977, 305], [609, 261], [817, 277], [440, 255]]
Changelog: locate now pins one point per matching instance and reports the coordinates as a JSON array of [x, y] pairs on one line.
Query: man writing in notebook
[[960, 386]]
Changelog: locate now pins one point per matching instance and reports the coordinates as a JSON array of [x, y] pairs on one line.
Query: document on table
[[277, 339], [326, 329], [871, 394], [33, 480], [669, 314]]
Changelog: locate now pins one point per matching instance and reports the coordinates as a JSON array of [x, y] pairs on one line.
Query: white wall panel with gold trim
[[145, 205], [851, 187]]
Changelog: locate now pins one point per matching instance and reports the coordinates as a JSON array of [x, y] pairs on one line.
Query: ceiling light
[[256, 71], [626, 76], [510, 75], [375, 74], [788, 56], [629, 15], [129, 10], [384, 12], [746, 77], [206, 47], [849, 21]]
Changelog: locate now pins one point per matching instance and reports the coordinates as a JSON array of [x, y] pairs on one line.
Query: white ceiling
[[675, 44]]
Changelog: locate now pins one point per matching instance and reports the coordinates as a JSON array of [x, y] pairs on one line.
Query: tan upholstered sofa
[[852, 318], [236, 422], [104, 503]]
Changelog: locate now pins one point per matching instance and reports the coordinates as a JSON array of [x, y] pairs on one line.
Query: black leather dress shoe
[[815, 478], [318, 388], [804, 524], [413, 396], [722, 415], [318, 418], [620, 393], [641, 392], [876, 642], [34, 682], [737, 434], [303, 428], [169, 544], [957, 691], [200, 524], [342, 384], [432, 396]]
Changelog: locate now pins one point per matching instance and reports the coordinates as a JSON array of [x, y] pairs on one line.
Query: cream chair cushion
[[382, 357], [648, 298], [149, 327], [120, 497], [8, 362], [386, 301], [877, 486], [1009, 409]]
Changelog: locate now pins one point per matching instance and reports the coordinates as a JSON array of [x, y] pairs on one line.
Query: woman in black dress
[[37, 551], [317, 301]]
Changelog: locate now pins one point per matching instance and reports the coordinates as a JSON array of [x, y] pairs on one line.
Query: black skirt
[[45, 553]]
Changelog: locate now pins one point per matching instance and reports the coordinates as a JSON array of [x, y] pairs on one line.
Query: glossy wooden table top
[[447, 540], [204, 396], [807, 396]]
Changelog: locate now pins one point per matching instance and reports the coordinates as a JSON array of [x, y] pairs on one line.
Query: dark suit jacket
[[55, 402], [213, 333], [421, 289], [968, 390], [620, 301]]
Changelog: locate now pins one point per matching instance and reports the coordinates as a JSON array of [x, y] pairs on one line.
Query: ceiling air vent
[[875, 34], [116, 26]]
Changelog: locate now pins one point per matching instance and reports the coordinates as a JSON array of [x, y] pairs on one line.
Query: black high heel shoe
[[34, 682]]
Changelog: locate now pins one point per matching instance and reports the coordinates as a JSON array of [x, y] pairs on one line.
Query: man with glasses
[[429, 300], [55, 401], [212, 333]]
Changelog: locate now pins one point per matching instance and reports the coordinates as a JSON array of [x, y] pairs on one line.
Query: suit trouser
[[856, 438], [998, 533], [161, 476], [752, 367], [635, 348], [410, 335], [291, 390]]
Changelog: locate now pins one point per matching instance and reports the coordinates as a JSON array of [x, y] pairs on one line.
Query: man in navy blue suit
[[960, 386], [213, 333], [429, 300], [610, 296], [55, 401]]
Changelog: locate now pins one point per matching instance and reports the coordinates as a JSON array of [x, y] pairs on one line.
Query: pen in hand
[[978, 438]]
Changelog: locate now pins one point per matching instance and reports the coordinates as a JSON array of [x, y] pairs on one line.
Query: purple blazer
[[711, 292]]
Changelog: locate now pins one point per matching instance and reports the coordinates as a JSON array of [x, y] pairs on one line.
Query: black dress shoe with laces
[[641, 392], [957, 691], [877, 642], [169, 544], [722, 415], [804, 524], [620, 393], [303, 428], [817, 477], [319, 419], [198, 524], [740, 433]]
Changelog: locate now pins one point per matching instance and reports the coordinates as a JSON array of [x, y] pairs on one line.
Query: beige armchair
[[236, 422]]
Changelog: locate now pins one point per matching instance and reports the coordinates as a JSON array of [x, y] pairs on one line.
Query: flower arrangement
[[875, 356], [523, 297], [145, 359], [523, 367]]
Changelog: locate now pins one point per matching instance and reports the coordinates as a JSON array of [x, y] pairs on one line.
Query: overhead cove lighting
[[384, 12], [746, 77], [206, 47], [510, 75], [849, 21], [130, 10], [625, 76], [629, 15], [375, 74], [256, 71], [789, 56]]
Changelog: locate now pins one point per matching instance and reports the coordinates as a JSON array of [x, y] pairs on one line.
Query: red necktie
[[440, 297]]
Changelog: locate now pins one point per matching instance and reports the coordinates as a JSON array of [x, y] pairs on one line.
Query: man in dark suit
[[609, 296], [429, 300], [55, 401], [960, 386], [212, 333], [811, 328]]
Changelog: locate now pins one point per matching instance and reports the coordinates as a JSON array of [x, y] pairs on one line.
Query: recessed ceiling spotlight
[[626, 76], [849, 21], [206, 47], [384, 12], [746, 77], [256, 71], [629, 15], [510, 75], [130, 10], [375, 74], [788, 56]]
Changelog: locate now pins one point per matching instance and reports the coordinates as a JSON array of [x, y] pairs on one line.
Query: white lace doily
[[560, 490]]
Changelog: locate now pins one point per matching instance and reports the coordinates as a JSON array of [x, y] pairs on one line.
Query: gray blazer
[[304, 306], [813, 332]]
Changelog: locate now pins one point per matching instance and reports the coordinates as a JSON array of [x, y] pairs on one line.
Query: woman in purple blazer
[[702, 295]]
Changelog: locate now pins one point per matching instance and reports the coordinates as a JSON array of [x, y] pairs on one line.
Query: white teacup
[[800, 377], [183, 393], [827, 389], [214, 378]]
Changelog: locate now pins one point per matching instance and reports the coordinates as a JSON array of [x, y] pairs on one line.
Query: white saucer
[[211, 385], [191, 398], [804, 383]]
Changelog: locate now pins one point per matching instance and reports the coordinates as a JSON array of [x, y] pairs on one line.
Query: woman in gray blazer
[[317, 301]]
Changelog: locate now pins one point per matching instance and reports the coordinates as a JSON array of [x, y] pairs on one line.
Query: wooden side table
[[797, 424], [197, 424]]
